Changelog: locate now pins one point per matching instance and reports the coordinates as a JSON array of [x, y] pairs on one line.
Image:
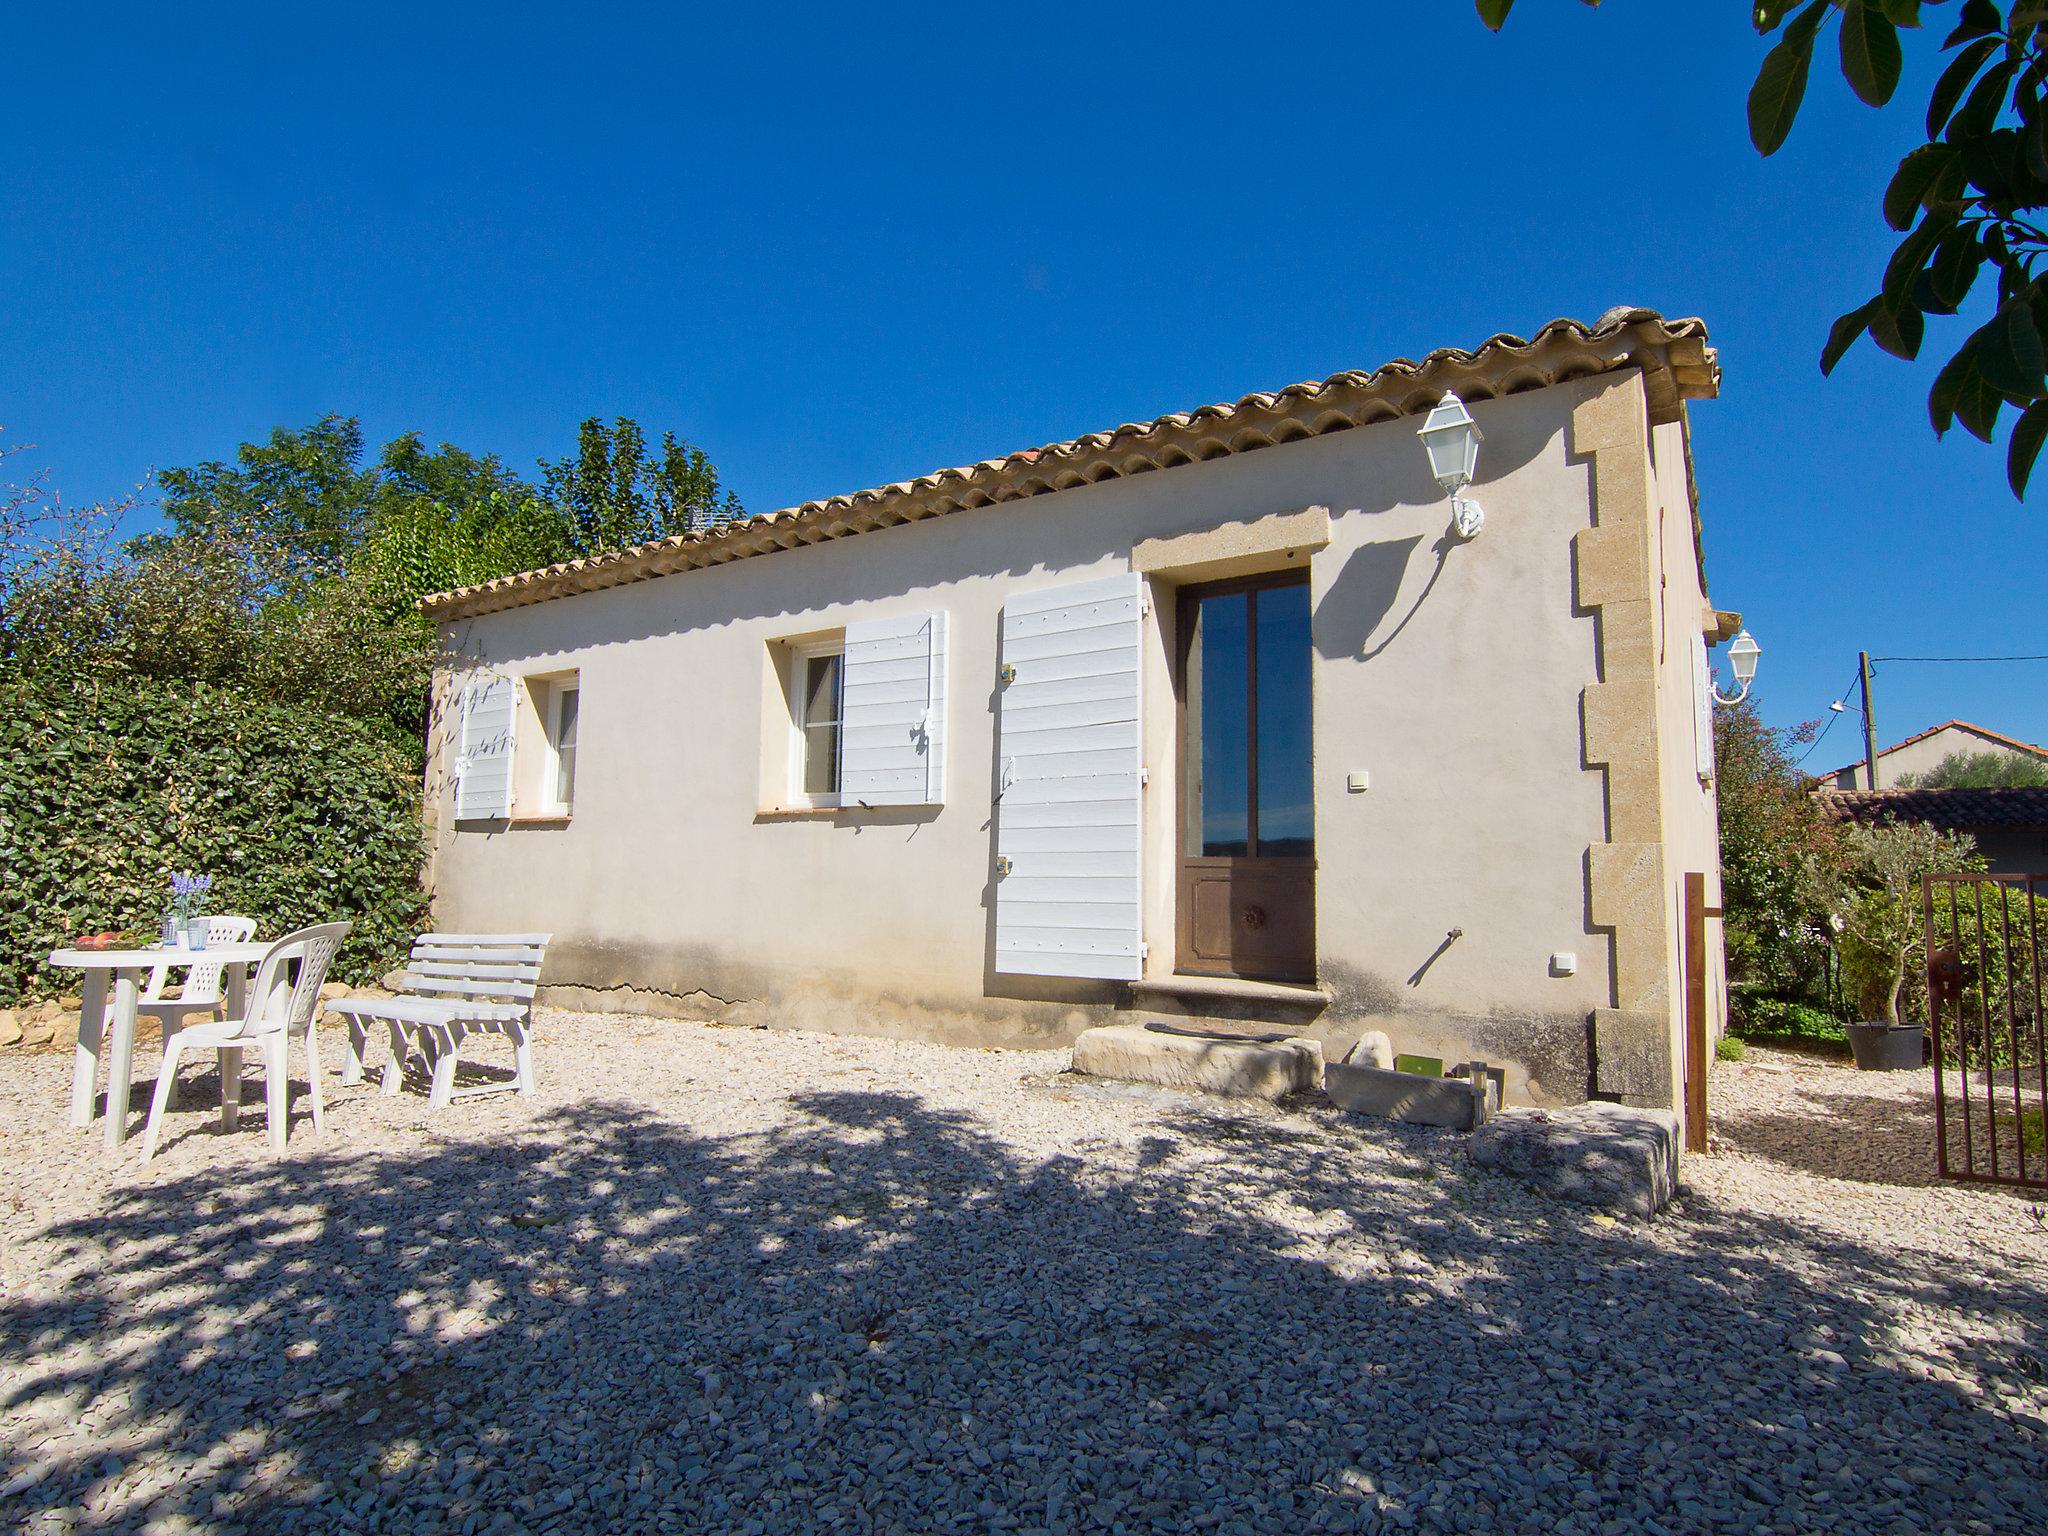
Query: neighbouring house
[[2010, 825], [1925, 750], [1211, 716]]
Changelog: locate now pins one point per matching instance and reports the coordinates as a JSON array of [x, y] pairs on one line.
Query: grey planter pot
[[1881, 1047]]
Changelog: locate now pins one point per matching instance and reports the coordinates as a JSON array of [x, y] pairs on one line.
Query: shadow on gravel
[[876, 1318]]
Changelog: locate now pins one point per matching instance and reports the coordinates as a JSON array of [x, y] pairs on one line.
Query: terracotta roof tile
[[1945, 808], [1676, 361]]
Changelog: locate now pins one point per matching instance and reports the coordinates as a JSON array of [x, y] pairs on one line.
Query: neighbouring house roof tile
[[1676, 361], [1948, 809], [1999, 737]]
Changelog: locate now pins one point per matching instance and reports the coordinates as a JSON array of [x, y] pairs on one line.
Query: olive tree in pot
[[1875, 903]]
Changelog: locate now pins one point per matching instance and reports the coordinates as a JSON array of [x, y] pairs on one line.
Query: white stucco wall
[[1451, 673]]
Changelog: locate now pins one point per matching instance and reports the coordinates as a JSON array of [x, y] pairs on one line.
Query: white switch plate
[[1358, 783], [1564, 963]]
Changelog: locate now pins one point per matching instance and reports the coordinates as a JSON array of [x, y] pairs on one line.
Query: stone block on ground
[[1450, 1102], [10, 1027], [1613, 1157], [1177, 1057]]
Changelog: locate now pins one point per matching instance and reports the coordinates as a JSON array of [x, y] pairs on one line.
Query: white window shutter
[[1068, 818], [483, 767], [1703, 708], [893, 712]]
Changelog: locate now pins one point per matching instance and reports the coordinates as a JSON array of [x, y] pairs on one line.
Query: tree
[[1981, 770], [615, 494], [305, 492], [292, 575], [1967, 200], [1876, 898], [1772, 832]]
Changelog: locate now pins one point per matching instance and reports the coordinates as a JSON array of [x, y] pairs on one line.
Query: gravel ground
[[726, 1280]]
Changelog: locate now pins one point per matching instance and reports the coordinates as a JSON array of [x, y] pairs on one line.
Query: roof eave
[[1676, 360]]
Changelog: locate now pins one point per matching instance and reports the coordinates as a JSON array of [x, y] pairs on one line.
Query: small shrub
[[1728, 1047], [1778, 1018]]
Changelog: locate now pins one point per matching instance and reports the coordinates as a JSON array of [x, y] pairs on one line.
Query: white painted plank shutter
[[483, 767], [1071, 754], [893, 712], [1703, 707]]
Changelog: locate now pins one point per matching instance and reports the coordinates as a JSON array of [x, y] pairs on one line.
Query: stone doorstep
[[1179, 1057], [1613, 1157]]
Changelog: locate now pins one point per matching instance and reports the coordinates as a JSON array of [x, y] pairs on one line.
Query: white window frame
[[801, 657], [535, 791], [559, 690]]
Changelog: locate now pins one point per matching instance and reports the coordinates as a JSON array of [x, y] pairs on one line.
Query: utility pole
[[1869, 723]]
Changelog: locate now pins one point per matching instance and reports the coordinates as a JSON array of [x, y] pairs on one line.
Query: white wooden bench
[[455, 985]]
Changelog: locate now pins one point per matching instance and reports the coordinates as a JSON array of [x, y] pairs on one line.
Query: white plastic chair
[[283, 1001], [202, 990]]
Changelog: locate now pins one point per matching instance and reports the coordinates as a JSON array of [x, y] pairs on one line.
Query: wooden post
[[1695, 1012], [1869, 723]]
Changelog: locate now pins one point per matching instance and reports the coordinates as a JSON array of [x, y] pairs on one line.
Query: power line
[[1960, 658], [1833, 714]]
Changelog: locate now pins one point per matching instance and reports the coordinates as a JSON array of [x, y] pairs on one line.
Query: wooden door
[[1246, 887]]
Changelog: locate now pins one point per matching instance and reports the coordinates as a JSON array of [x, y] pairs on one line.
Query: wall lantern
[[1451, 438], [1742, 654]]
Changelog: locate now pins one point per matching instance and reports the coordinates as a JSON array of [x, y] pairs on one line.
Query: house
[[1215, 715], [2010, 826], [1924, 750]]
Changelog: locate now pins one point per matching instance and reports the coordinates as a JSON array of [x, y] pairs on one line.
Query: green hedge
[[300, 818]]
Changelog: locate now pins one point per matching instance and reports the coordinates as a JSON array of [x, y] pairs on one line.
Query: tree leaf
[[1903, 13], [2034, 140], [1494, 13], [1953, 272], [1948, 90], [1871, 57], [2009, 353], [1910, 183], [1980, 18], [1948, 387], [1781, 84], [1981, 109], [1844, 334], [1912, 254], [2024, 447], [1898, 328]]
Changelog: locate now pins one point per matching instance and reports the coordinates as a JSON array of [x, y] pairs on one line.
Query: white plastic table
[[123, 968]]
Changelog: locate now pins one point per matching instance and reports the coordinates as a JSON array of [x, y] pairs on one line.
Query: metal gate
[[1985, 1023]]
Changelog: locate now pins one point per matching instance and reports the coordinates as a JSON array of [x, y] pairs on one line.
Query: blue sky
[[841, 246]]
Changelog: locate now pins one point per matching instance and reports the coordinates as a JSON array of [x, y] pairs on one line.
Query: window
[[544, 779], [562, 744], [818, 680]]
